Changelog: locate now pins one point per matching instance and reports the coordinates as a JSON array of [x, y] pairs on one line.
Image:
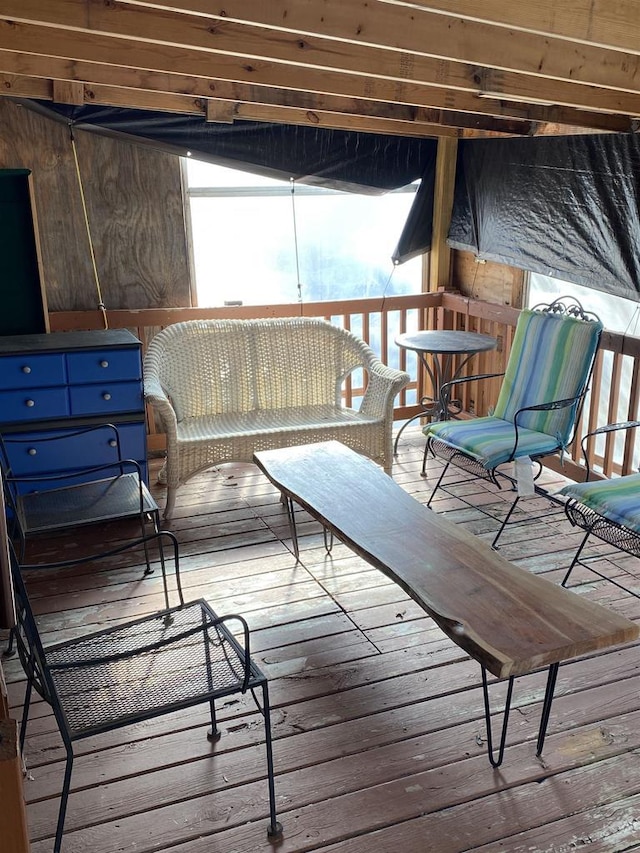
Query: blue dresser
[[65, 381]]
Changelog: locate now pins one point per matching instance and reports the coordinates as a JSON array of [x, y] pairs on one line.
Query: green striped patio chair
[[538, 407], [608, 510]]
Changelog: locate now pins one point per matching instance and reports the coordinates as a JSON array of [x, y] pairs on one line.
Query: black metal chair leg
[[63, 800], [546, 706], [214, 734], [440, 479], [505, 522], [274, 830], [575, 558], [496, 762], [154, 518]]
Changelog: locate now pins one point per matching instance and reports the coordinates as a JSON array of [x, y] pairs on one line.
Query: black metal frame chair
[[173, 659], [593, 519], [63, 500], [516, 438]]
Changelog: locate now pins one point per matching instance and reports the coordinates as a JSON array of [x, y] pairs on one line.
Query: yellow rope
[[101, 305]]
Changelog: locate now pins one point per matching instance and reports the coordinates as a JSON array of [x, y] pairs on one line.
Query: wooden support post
[[439, 273]]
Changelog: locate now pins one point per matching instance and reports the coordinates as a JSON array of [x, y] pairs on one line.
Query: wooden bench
[[511, 621]]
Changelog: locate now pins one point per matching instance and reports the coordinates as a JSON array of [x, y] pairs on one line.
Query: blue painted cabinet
[[67, 380]]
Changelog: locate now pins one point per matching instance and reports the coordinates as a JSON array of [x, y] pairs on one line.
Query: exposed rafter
[[452, 68]]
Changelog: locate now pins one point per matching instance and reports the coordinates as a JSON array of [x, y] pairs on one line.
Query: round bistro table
[[443, 347]]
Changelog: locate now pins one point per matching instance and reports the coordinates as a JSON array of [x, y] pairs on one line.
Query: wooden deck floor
[[378, 719]]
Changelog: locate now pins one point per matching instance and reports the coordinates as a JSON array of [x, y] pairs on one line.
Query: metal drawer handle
[[26, 369], [32, 451], [30, 403], [113, 442], [106, 396], [104, 364]]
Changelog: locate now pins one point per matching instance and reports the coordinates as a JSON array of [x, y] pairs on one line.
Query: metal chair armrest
[[612, 428], [243, 653], [541, 407], [81, 472], [603, 430], [445, 389]]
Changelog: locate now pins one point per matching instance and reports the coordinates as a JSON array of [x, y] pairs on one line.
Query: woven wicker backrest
[[301, 362], [216, 366], [204, 366]]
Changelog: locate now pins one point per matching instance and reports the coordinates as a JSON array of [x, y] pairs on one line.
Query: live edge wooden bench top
[[506, 618]]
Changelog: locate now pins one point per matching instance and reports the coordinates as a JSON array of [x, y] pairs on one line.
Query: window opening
[[245, 230]]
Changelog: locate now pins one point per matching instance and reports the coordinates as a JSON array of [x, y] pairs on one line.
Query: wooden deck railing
[[615, 388]]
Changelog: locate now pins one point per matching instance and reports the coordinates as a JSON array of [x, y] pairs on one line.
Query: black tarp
[[417, 232], [345, 160], [565, 206]]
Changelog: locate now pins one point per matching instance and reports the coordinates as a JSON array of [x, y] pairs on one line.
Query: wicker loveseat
[[225, 388]]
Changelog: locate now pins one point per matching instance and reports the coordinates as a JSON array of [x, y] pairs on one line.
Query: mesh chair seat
[[85, 503], [122, 675]]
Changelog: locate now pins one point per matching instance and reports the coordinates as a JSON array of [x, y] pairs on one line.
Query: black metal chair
[[173, 659], [609, 510], [70, 499], [538, 407]]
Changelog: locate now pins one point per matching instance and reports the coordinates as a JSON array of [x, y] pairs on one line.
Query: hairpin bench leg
[[496, 762], [546, 706], [292, 525], [328, 539]]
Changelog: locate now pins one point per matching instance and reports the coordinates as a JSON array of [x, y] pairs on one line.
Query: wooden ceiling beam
[[457, 66], [402, 35], [601, 22], [482, 113], [71, 51], [420, 123], [226, 111]]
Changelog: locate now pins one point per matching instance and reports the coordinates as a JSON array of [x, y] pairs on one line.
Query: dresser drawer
[[83, 451], [105, 399], [107, 365], [32, 371], [34, 405]]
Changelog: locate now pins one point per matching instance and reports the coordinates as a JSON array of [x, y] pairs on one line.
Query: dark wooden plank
[[369, 701]]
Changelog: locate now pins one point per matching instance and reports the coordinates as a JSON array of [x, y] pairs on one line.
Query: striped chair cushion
[[550, 360], [617, 500], [490, 440]]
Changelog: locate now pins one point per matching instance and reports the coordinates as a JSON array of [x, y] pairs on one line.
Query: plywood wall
[[491, 282], [134, 204]]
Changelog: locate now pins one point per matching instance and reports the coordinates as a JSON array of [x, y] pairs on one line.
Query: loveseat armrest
[[383, 384], [156, 396]]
